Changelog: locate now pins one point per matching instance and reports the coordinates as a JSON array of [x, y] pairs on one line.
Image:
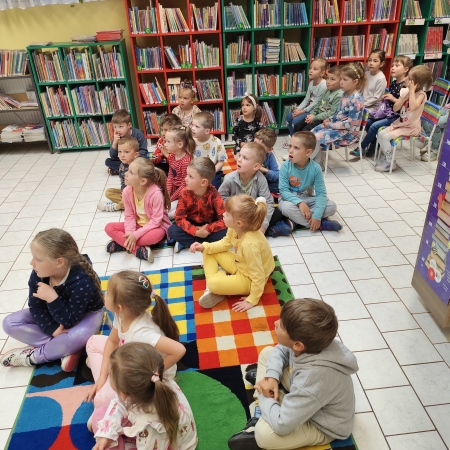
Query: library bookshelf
[[279, 100], [375, 18], [160, 35], [80, 86], [437, 57]]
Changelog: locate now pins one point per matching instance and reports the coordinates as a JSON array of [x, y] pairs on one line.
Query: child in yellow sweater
[[251, 263]]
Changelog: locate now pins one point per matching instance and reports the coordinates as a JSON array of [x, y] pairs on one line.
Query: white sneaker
[[107, 206], [178, 247], [209, 300], [17, 357], [385, 167]]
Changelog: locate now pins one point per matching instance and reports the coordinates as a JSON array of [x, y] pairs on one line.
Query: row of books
[[352, 46], [55, 102], [152, 92], [292, 52], [267, 85], [293, 83], [325, 47], [219, 123], [266, 14], [268, 117], [48, 65], [7, 103], [85, 100], [236, 87], [383, 40], [408, 44], [354, 11], [268, 53], [287, 109], [93, 132], [238, 52], [26, 132], [149, 58], [151, 122], [113, 98], [142, 21], [64, 133], [206, 55], [384, 10], [205, 18], [208, 90], [173, 85], [172, 19], [436, 68], [235, 18], [77, 64], [326, 11], [107, 65], [412, 10], [433, 42], [295, 14], [441, 8], [13, 62], [184, 54]]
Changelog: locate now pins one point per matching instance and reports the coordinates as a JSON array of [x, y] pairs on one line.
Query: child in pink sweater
[[146, 201]]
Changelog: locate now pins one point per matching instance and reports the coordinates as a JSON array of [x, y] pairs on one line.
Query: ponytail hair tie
[[153, 295], [155, 377], [260, 200], [144, 281]]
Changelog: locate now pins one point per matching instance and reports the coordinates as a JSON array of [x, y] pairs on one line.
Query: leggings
[[21, 326], [384, 138], [116, 231]]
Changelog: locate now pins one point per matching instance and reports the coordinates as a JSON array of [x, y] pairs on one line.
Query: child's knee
[[264, 355], [8, 324], [98, 415], [264, 434]]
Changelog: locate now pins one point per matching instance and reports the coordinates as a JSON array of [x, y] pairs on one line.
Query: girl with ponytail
[[129, 296], [249, 266], [64, 304], [153, 408]]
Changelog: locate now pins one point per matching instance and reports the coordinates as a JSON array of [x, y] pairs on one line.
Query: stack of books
[[152, 120], [208, 90], [109, 35], [64, 133], [355, 11], [268, 53], [93, 132], [384, 10], [152, 92], [287, 109], [205, 18], [325, 48], [238, 52], [412, 10], [436, 68], [7, 102], [267, 84], [148, 58], [384, 40], [441, 8], [48, 66], [408, 44], [326, 11], [107, 65], [352, 46], [55, 102], [268, 117], [293, 83], [85, 100], [433, 42], [12, 133], [83, 39], [236, 87], [173, 19], [143, 21], [113, 98], [78, 64], [13, 62], [267, 14], [206, 55], [295, 14], [33, 132], [218, 119], [235, 17], [292, 52]]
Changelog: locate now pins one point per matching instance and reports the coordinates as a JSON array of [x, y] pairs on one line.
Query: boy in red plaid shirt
[[199, 213]]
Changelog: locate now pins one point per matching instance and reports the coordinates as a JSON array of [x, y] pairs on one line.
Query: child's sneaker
[[209, 300], [281, 228], [69, 362], [433, 156], [386, 167], [245, 439], [330, 225], [145, 253], [112, 172], [17, 357], [113, 247], [107, 206], [178, 247]]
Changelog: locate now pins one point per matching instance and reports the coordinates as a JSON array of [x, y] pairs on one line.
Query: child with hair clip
[[248, 123], [410, 106], [64, 304], [180, 146], [148, 407], [186, 110], [146, 201], [343, 127], [384, 115], [246, 270], [129, 296]]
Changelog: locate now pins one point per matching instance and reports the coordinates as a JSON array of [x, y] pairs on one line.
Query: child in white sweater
[[376, 80]]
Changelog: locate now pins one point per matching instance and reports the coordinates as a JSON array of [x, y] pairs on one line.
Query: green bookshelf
[[256, 36], [423, 27], [71, 81]]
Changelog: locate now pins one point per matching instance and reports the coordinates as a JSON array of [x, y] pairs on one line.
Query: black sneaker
[[113, 247], [250, 376], [245, 439]]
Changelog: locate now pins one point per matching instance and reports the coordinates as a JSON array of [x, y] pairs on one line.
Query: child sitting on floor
[[247, 269], [314, 369], [269, 168], [302, 187], [199, 214], [186, 110], [208, 145], [121, 121], [146, 202]]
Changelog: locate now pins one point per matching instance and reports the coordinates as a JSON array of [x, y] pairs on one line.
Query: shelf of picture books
[[79, 88]]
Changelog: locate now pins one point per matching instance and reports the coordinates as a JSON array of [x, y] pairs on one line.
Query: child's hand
[[202, 232], [268, 387], [196, 247], [97, 386], [130, 241], [304, 209], [45, 292], [59, 330], [389, 97], [242, 305], [325, 123], [412, 86], [102, 443], [309, 118], [116, 139], [297, 112], [314, 224]]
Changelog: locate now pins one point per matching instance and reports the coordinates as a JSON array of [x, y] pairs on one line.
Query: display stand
[[431, 277]]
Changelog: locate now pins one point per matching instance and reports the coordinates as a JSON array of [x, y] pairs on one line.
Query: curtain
[[23, 4]]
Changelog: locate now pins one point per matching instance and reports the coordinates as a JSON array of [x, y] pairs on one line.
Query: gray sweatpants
[[288, 209]]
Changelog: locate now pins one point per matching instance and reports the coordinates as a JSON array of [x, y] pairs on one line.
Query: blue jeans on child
[[179, 235], [372, 127], [291, 121]]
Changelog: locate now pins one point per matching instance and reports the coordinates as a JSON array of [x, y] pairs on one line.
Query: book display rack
[[173, 41], [79, 88]]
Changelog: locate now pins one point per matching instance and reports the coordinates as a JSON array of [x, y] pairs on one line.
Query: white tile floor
[[364, 271]]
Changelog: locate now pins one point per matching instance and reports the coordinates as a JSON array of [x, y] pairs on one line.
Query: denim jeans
[[291, 121], [372, 128]]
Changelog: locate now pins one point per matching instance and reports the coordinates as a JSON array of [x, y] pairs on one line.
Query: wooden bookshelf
[[256, 36], [193, 71], [68, 84]]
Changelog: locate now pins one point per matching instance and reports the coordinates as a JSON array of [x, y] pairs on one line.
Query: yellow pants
[[221, 283], [305, 435], [115, 195]]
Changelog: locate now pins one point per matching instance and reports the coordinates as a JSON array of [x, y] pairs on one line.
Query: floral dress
[[244, 132], [344, 125], [186, 118]]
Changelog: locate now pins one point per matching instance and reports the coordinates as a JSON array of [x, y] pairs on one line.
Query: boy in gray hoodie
[[314, 369]]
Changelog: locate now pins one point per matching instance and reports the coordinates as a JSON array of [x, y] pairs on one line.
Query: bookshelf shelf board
[[196, 32], [239, 66], [268, 97], [50, 83], [258, 65], [15, 110], [210, 102], [13, 77], [59, 117], [110, 80], [154, 105], [178, 70], [326, 25], [85, 116], [202, 69], [139, 35], [151, 71], [291, 27], [302, 94], [381, 22], [81, 81], [293, 63]]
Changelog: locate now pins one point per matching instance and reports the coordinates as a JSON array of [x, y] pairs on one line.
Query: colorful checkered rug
[[230, 163], [220, 346]]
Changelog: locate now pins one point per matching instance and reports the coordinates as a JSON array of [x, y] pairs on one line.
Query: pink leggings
[[116, 231]]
